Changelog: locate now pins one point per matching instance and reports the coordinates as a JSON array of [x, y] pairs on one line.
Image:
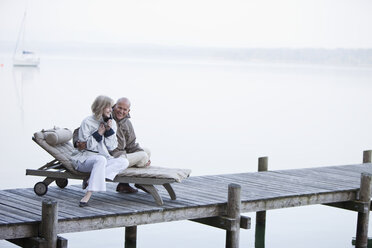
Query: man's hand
[[81, 145]]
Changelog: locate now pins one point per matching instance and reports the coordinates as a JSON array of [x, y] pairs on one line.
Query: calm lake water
[[213, 117]]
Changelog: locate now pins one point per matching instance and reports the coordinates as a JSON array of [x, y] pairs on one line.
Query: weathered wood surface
[[49, 222], [263, 165], [363, 217], [233, 212], [197, 197]]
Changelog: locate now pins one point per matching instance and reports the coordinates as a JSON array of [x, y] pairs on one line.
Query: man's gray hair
[[123, 99]]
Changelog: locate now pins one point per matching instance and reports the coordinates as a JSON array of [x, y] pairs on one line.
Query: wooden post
[[363, 217], [131, 237], [367, 156], [261, 215], [233, 211], [49, 221], [61, 242]]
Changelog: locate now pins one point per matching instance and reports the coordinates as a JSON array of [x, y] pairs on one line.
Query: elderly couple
[[105, 147]]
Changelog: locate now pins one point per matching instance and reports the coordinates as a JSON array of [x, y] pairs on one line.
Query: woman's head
[[102, 105]]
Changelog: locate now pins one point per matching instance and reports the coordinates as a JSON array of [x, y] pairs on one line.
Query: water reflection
[[259, 241], [23, 75]]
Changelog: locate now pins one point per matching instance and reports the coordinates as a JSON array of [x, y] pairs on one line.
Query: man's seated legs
[[136, 159], [139, 159]]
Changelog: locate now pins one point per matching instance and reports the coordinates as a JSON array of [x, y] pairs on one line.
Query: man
[[127, 146]]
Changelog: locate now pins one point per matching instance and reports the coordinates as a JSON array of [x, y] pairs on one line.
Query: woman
[[99, 133]]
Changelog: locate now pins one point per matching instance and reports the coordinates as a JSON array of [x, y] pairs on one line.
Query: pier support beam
[[131, 237], [261, 215], [49, 221], [34, 242], [363, 216], [233, 212], [224, 222], [361, 239], [37, 242]]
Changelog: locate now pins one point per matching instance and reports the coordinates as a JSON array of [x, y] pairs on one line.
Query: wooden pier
[[216, 200]]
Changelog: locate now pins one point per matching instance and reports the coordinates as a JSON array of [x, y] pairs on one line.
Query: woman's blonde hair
[[99, 104]]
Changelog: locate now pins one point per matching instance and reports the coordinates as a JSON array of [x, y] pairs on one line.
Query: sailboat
[[22, 57]]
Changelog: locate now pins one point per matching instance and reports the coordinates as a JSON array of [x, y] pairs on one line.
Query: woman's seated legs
[[96, 165]]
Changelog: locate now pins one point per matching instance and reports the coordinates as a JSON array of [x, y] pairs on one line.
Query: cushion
[[157, 172], [62, 152], [57, 136]]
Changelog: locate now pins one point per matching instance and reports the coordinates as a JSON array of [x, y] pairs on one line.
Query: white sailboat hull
[[26, 60]]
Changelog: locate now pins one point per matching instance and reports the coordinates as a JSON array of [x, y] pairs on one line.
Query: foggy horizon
[[254, 24], [84, 50]]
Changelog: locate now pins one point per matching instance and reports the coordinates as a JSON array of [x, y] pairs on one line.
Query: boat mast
[[21, 34]]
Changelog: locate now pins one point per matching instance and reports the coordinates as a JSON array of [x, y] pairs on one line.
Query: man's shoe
[[125, 188]]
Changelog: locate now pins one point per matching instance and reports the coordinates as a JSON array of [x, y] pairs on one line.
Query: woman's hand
[[101, 129], [109, 124]]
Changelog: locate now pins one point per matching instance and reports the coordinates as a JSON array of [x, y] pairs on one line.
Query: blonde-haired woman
[[99, 133]]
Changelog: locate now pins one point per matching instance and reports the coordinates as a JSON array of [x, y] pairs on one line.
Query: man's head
[[121, 108]]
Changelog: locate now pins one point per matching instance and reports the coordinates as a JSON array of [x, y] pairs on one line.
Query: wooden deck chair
[[57, 142]]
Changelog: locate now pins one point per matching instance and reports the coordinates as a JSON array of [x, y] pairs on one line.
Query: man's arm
[[75, 140], [131, 144]]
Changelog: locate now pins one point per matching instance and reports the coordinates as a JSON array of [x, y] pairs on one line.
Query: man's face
[[121, 110]]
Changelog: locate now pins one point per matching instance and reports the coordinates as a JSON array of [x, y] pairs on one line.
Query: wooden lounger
[[61, 169]]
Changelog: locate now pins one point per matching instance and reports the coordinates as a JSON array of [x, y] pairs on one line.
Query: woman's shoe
[[83, 204]]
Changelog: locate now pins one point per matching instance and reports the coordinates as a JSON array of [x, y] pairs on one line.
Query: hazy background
[[228, 23]]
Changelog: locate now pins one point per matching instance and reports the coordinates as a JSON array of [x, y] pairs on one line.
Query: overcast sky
[[243, 23]]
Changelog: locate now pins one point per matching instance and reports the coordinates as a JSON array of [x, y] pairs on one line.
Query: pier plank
[[6, 219], [314, 179], [218, 185], [19, 215], [266, 187], [62, 206]]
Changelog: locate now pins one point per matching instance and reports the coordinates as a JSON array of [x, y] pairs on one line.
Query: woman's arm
[[88, 133]]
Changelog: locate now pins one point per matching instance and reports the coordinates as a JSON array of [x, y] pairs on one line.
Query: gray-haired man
[[127, 146]]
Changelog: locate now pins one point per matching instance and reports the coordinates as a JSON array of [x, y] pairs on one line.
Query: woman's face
[[107, 111]]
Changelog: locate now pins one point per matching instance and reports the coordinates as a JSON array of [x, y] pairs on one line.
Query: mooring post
[[131, 237], [367, 156], [233, 212], [261, 215], [361, 240], [49, 221]]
